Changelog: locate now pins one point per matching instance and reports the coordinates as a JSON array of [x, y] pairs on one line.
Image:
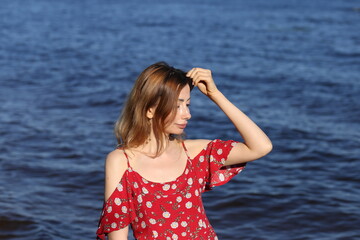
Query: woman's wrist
[[215, 95]]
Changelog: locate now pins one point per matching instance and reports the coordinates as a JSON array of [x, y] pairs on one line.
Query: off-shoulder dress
[[171, 210]]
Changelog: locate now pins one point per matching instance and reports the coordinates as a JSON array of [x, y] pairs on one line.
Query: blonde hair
[[159, 86]]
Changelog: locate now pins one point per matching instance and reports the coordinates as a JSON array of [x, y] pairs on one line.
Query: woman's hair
[[158, 87]]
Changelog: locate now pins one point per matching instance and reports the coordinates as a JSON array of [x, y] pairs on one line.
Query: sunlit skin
[[179, 123], [171, 163], [164, 167]]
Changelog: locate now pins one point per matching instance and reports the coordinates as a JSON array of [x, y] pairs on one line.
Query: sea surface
[[67, 66]]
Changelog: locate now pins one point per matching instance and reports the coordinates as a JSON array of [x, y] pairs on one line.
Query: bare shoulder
[[117, 160], [115, 166], [194, 146]]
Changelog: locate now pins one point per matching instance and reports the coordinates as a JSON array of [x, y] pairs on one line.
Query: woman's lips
[[181, 125]]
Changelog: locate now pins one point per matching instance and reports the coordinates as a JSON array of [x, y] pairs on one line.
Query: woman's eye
[[187, 105]]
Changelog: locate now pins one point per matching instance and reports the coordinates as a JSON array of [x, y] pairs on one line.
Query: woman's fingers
[[198, 74], [191, 72], [202, 78], [194, 71]]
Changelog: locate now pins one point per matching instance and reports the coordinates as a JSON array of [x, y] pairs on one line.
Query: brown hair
[[159, 86]]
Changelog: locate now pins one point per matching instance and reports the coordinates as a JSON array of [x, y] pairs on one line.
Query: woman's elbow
[[265, 149]]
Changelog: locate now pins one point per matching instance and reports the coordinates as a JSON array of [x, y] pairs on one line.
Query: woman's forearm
[[254, 138]]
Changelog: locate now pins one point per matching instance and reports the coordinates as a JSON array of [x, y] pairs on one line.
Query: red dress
[[171, 210]]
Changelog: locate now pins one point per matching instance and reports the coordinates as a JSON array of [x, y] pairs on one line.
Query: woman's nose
[[186, 114]]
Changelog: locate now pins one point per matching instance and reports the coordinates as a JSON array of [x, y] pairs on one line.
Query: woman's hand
[[202, 79], [256, 143]]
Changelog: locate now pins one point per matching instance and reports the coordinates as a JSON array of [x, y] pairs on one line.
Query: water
[[292, 66]]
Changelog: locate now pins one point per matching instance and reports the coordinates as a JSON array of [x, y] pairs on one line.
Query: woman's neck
[[150, 147]]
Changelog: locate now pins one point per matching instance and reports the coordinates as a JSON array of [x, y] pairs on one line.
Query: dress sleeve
[[118, 211], [216, 153]]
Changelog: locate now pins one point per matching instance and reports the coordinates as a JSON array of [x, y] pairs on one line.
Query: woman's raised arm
[[256, 142]]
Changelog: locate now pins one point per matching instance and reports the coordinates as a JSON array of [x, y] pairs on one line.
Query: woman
[[155, 179]]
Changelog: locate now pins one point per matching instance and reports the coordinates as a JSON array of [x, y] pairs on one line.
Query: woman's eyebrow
[[182, 100]]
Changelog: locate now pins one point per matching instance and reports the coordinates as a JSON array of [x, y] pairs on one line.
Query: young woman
[[155, 178]]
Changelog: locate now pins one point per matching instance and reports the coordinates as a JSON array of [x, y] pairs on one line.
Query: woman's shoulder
[[195, 146], [115, 167], [116, 160]]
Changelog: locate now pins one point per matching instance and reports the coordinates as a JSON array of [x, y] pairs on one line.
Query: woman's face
[[178, 124]]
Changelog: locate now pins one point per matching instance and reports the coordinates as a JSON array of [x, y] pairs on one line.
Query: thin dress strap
[[127, 157], [186, 151]]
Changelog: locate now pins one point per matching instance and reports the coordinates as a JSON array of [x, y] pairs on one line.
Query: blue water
[[292, 66]]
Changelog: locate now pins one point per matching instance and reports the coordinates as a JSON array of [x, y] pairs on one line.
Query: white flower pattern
[[184, 224], [120, 187], [109, 209], [148, 204], [168, 210], [174, 224], [124, 209], [117, 201], [166, 214]]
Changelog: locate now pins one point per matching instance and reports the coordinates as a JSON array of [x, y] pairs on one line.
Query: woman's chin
[[178, 132]]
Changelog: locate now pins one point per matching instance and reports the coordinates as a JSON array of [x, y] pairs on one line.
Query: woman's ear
[[150, 113]]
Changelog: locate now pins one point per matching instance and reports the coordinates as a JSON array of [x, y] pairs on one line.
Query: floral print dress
[[171, 210]]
